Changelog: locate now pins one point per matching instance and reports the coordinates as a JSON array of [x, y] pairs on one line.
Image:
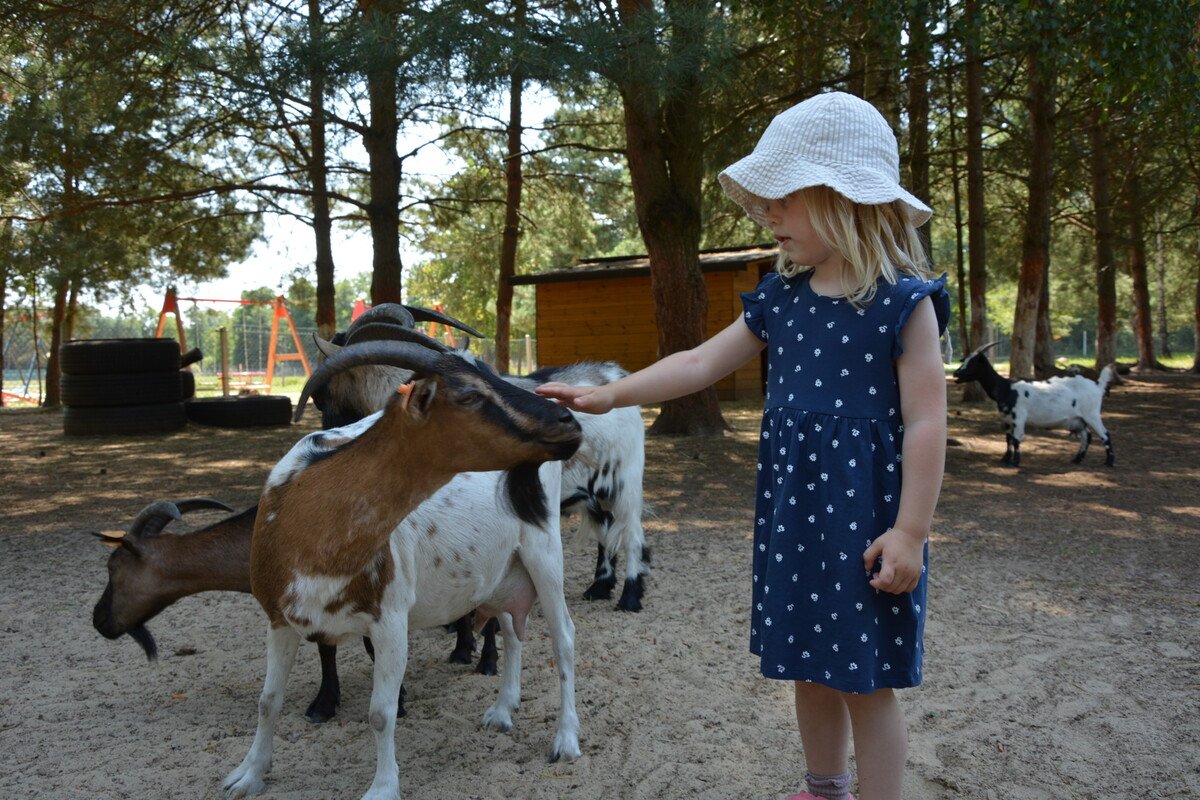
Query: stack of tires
[[125, 386]]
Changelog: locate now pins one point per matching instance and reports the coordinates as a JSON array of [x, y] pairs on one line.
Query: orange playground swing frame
[[171, 306]]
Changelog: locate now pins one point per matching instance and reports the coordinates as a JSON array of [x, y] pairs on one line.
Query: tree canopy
[[145, 142]]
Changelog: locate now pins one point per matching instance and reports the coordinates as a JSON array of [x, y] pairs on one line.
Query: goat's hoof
[[486, 667], [600, 590], [629, 602], [382, 793], [242, 782], [566, 748], [631, 595], [460, 657], [498, 719], [322, 708], [1077, 460]]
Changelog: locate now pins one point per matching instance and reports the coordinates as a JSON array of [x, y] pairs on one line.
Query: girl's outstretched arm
[[676, 375], [923, 409]]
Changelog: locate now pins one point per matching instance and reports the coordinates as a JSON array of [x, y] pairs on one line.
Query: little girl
[[854, 384]]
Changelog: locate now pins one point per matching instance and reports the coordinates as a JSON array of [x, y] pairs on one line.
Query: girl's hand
[[588, 399], [903, 556]]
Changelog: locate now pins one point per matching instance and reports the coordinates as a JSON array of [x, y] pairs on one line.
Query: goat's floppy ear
[[110, 538], [420, 397]]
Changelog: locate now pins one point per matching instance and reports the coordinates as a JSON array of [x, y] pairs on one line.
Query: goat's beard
[[525, 494], [141, 635]]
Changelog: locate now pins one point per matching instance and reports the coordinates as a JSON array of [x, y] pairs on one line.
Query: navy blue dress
[[829, 484]]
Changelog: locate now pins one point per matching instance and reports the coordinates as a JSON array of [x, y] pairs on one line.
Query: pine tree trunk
[[875, 51], [512, 221], [960, 270], [6, 238], [919, 54], [383, 209], [1106, 267], [53, 396], [976, 228], [1160, 276], [72, 307], [1196, 326], [1196, 315], [318, 174], [1043, 351], [1143, 328], [666, 172], [1035, 248]]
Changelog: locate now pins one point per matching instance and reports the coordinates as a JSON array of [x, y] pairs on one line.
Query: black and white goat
[[332, 556], [604, 479], [1072, 402]]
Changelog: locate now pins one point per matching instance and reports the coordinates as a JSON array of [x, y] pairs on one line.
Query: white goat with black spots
[[604, 478], [1072, 402], [331, 556]]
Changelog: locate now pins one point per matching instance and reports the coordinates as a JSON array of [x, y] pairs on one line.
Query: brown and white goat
[[148, 571], [326, 561]]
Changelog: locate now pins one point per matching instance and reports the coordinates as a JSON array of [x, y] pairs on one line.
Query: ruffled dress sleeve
[[753, 304], [913, 293]]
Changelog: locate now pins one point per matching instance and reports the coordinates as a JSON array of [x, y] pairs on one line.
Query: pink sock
[[830, 787]]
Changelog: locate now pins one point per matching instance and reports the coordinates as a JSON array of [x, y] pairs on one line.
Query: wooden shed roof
[[724, 259]]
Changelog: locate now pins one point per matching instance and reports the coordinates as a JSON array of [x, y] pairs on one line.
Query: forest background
[[146, 143]]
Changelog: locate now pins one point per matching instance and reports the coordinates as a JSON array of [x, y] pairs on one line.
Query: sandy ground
[[1063, 637]]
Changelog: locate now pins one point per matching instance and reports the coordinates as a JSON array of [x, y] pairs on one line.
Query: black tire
[[250, 411], [135, 388], [187, 385], [156, 418], [118, 356]]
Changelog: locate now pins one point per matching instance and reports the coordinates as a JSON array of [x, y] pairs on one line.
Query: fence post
[[528, 354], [224, 363]]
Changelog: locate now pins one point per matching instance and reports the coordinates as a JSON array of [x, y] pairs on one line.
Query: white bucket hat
[[833, 139]]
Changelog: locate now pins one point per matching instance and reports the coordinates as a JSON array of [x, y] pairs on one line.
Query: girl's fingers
[[558, 391]]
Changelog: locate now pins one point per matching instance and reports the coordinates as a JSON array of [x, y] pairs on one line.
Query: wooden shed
[[602, 309]]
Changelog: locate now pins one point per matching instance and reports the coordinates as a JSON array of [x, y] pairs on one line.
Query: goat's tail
[[1108, 377]]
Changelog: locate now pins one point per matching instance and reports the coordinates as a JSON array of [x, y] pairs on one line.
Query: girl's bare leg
[[824, 728], [880, 743]]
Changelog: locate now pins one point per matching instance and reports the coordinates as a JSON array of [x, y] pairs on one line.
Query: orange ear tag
[[405, 390]]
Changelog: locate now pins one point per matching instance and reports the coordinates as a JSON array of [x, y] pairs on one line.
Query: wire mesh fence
[[248, 348]]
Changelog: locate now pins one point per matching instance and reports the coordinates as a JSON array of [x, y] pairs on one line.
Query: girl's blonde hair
[[874, 240]]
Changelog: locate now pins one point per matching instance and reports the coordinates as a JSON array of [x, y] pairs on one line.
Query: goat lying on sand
[[326, 561], [1071, 402]]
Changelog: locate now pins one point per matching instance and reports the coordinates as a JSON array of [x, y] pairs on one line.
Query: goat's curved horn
[[326, 347], [429, 315], [405, 355], [378, 331], [986, 347], [392, 313], [153, 518], [199, 503]]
